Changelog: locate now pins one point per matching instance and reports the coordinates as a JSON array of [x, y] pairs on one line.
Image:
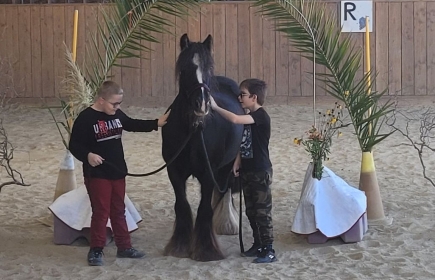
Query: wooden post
[[66, 180]]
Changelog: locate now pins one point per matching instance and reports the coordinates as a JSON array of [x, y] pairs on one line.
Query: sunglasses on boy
[[114, 104], [242, 94]]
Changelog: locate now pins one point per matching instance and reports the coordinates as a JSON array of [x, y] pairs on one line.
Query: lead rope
[[208, 164], [157, 170], [242, 249]]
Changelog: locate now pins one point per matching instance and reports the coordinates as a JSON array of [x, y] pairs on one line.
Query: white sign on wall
[[353, 15]]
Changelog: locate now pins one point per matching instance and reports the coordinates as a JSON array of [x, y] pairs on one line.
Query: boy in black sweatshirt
[[95, 138]]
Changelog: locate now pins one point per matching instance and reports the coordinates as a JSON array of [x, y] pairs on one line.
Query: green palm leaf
[[124, 29], [121, 34], [306, 24]]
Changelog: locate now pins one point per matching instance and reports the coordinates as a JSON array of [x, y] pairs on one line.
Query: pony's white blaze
[[196, 61]]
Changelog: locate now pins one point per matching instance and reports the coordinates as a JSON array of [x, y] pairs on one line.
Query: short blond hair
[[109, 88]]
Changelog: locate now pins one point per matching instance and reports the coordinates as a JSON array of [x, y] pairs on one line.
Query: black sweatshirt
[[99, 133]]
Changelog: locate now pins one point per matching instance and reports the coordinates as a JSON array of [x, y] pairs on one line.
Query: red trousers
[[107, 200]]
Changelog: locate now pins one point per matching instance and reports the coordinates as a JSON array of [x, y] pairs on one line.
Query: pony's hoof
[[178, 252], [207, 256]]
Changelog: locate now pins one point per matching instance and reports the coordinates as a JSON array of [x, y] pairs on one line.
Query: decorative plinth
[[72, 214], [354, 234], [65, 235], [330, 208]]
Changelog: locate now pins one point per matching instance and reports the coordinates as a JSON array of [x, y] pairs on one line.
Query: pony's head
[[194, 70]]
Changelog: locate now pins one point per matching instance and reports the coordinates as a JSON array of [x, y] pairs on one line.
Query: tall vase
[[66, 179], [317, 169], [369, 184]]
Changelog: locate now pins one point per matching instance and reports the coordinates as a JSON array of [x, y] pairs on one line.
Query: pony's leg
[[179, 244], [215, 199], [205, 246]]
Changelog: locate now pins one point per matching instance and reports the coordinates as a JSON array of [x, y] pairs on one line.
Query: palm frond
[[125, 28], [311, 29], [121, 33], [76, 88], [78, 93]]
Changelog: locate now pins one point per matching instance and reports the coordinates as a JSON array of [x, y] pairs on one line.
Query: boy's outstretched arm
[[230, 116]]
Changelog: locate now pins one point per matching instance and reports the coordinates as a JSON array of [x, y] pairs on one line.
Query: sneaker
[[95, 256], [267, 255], [130, 253], [253, 251]]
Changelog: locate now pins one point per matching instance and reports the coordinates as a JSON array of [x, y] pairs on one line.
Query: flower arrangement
[[319, 138]]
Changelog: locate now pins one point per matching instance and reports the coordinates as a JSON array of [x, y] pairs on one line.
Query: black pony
[[212, 145]]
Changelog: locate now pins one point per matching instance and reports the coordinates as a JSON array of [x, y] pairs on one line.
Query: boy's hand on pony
[[163, 119], [213, 103]]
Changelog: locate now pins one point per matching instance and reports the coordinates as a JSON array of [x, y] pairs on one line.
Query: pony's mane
[[186, 56]]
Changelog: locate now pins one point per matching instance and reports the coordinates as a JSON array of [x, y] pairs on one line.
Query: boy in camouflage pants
[[256, 168]]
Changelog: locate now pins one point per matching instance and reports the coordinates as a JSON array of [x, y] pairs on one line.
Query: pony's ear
[[184, 41], [208, 42]]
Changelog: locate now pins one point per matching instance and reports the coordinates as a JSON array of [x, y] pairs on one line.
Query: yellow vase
[[369, 184], [66, 180]]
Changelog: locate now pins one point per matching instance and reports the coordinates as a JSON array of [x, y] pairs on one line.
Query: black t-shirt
[[99, 133], [254, 149]]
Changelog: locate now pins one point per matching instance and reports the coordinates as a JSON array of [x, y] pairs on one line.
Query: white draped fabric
[[329, 205], [74, 209]]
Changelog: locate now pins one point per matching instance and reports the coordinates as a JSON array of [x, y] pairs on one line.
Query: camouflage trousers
[[258, 202]]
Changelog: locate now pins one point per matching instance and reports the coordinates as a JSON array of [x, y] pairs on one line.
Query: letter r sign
[[353, 15]]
